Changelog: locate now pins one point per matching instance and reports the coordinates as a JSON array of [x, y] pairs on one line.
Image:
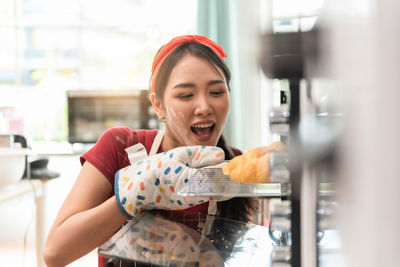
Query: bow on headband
[[174, 43]]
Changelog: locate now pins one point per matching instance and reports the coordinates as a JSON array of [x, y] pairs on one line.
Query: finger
[[173, 240], [153, 234], [155, 257], [153, 246], [167, 225], [163, 227], [167, 257]]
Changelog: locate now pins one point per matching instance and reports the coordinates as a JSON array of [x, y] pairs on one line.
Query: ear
[[156, 103]]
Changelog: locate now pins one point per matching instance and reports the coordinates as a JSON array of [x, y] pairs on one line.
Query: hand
[[152, 183], [164, 242]]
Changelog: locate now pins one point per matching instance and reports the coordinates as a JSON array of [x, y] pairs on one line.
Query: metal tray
[[212, 182]]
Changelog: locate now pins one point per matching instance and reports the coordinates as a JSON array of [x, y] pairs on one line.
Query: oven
[[91, 112]]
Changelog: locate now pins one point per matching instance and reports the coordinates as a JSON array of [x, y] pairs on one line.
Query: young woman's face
[[195, 104]]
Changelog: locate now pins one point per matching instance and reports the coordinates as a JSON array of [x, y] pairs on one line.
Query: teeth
[[202, 125]]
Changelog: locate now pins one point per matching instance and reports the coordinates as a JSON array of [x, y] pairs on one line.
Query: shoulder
[[125, 137], [108, 155]]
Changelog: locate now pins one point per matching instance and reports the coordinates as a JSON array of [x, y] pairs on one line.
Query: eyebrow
[[183, 85]]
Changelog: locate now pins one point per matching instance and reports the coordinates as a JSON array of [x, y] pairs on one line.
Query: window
[[51, 46]]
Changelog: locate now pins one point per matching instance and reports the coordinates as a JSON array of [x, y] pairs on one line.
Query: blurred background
[[69, 70], [50, 48]]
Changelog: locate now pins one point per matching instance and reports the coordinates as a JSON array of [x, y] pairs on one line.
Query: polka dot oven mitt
[[152, 182], [164, 242]]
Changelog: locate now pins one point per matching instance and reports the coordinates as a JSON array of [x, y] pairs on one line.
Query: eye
[[218, 92], [184, 96]]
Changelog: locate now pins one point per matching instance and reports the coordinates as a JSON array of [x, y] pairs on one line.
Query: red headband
[[174, 43]]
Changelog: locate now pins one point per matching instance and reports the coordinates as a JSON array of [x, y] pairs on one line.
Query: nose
[[202, 106]]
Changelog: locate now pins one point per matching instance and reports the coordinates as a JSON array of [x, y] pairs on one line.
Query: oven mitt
[[163, 242], [170, 243], [152, 182]]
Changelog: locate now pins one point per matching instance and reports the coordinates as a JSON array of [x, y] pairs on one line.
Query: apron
[[134, 155]]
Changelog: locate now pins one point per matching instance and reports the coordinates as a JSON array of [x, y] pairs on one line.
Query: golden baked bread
[[253, 165]]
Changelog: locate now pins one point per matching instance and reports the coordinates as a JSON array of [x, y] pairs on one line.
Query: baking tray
[[212, 182]]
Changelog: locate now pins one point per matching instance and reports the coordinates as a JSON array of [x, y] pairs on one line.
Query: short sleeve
[[108, 154]]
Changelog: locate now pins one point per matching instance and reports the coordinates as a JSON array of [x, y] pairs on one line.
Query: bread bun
[[253, 165]]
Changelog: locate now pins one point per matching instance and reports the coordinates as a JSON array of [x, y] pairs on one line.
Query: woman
[[189, 91]]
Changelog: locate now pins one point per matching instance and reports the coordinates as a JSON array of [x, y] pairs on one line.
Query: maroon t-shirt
[[108, 155]]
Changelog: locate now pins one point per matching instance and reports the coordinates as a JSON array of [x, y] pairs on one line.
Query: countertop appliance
[[91, 112], [13, 159]]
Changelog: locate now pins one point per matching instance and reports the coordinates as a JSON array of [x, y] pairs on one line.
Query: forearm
[[82, 232]]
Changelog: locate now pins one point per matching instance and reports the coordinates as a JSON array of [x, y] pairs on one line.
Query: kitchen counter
[[59, 148], [38, 188]]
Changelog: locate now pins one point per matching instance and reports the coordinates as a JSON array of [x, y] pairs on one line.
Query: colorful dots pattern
[[130, 186], [172, 238], [177, 170], [219, 154], [167, 170], [143, 180]]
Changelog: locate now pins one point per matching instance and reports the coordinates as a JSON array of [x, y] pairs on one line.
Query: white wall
[[253, 97]]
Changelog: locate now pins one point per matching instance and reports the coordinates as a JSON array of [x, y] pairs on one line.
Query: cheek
[[223, 108], [178, 111]]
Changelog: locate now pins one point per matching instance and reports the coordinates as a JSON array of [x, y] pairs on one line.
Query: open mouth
[[203, 129]]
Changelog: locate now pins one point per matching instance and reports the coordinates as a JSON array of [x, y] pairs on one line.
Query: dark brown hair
[[196, 49], [240, 209]]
